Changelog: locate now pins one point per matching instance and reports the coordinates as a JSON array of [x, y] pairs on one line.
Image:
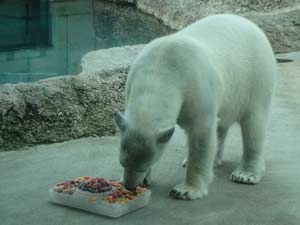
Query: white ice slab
[[93, 202]]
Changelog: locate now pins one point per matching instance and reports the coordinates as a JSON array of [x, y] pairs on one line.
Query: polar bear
[[213, 73]]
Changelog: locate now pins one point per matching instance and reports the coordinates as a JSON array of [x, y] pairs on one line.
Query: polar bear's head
[[139, 149]]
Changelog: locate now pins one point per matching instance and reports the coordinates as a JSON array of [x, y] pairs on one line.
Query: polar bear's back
[[241, 53], [229, 39], [223, 27]]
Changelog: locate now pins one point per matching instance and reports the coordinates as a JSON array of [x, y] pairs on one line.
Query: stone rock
[[119, 24], [277, 18], [282, 29], [59, 109], [109, 61]]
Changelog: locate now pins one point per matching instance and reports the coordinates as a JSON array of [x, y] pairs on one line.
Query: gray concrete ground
[[27, 175]]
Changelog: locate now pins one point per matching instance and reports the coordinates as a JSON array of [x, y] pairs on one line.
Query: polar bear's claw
[[187, 192], [245, 177]]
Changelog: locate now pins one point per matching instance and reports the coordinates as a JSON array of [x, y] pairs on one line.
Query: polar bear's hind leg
[[252, 165]]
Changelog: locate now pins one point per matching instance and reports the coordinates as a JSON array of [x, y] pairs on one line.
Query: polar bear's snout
[[132, 178]]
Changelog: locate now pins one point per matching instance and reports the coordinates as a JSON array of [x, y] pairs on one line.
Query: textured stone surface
[[123, 24], [109, 61], [282, 28], [59, 109], [277, 18], [178, 13]]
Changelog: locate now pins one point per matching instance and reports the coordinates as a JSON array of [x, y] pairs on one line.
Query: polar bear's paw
[[187, 192], [245, 177]]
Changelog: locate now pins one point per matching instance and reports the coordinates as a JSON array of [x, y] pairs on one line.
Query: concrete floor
[[27, 175]]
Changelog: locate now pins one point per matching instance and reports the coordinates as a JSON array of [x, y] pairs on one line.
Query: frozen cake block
[[100, 196]]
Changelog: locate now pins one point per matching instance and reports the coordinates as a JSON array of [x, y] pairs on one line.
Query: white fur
[[215, 72]]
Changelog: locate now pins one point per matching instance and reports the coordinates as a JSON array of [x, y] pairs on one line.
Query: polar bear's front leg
[[199, 173]]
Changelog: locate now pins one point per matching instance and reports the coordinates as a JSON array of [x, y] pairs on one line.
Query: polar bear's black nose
[[130, 185], [132, 178], [130, 188]]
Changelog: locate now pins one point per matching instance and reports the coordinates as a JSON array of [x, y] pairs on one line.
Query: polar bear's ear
[[165, 135], [120, 120]]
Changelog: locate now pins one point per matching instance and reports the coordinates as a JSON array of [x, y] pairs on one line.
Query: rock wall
[[282, 28], [123, 24], [106, 62], [59, 109], [279, 18]]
